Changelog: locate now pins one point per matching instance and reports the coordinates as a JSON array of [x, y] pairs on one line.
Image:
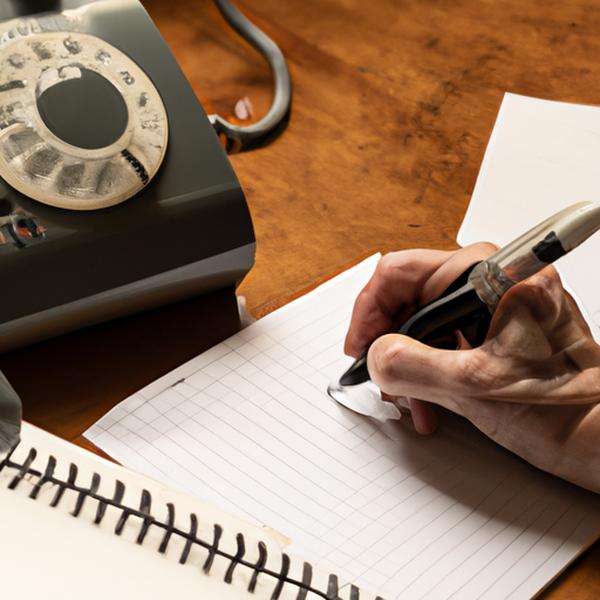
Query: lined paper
[[248, 425]]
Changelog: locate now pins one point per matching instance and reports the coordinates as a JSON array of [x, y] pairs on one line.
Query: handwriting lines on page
[[253, 430]]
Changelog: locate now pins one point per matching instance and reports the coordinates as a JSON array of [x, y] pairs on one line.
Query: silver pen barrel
[[534, 250]]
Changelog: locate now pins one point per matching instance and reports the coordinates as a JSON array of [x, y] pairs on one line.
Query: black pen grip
[[458, 308]]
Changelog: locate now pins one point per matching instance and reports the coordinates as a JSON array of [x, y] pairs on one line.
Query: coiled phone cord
[[243, 137]]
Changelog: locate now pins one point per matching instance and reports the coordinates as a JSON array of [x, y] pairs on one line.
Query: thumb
[[402, 366]]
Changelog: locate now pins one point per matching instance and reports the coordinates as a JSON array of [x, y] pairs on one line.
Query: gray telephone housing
[[187, 231]]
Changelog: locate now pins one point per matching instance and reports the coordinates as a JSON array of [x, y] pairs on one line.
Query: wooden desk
[[393, 106]]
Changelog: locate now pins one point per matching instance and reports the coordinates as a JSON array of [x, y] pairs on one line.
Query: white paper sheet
[[542, 156], [249, 426]]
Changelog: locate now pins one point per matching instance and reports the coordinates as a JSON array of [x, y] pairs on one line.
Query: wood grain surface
[[394, 102]]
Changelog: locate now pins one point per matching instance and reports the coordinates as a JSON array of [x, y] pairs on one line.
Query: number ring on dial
[[41, 164]]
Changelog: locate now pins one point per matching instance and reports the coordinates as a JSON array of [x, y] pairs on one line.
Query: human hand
[[533, 386]]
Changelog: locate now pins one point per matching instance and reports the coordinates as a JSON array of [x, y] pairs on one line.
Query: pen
[[468, 304]]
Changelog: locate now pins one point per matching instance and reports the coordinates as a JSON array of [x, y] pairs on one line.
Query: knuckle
[[484, 248], [403, 267], [542, 295], [549, 280], [533, 293], [389, 263]]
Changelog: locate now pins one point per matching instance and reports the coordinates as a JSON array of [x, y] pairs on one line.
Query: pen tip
[[356, 374]]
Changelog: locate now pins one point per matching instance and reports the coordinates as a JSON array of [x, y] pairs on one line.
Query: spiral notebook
[[74, 525], [248, 425]]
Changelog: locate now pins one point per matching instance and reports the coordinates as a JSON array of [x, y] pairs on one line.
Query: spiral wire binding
[[143, 513]]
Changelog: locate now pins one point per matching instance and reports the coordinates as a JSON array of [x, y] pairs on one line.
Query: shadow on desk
[[67, 383]]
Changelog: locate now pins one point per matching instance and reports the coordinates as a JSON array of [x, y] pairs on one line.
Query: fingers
[[391, 295], [539, 298], [457, 263], [424, 417], [542, 350], [401, 366], [402, 282], [541, 302], [423, 414]]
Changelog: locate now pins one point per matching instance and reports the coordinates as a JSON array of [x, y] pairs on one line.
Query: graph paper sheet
[[248, 425]]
